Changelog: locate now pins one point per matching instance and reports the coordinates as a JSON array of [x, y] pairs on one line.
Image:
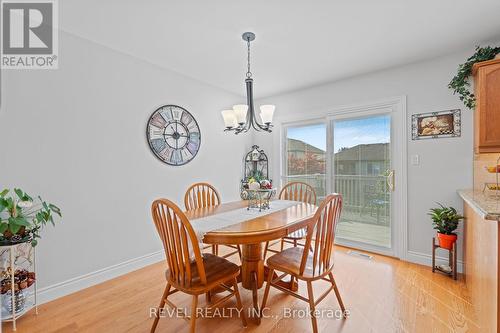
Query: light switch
[[415, 159]]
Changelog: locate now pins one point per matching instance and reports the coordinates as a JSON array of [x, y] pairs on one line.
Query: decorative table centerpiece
[[256, 187], [259, 194]]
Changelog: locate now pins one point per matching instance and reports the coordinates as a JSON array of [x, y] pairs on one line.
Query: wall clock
[[173, 135]]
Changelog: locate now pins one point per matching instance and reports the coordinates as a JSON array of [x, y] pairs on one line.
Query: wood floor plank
[[382, 295]]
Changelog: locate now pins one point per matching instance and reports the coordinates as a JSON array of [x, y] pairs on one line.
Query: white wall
[[445, 164], [76, 136]]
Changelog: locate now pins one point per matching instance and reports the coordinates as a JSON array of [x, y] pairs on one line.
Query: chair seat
[[216, 269], [297, 234], [288, 261]]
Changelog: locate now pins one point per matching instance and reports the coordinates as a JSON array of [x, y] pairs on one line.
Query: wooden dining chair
[[311, 262], [189, 270], [296, 191], [201, 195]]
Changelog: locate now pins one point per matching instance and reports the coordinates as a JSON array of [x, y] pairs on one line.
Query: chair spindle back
[[323, 230], [298, 191], [178, 239], [201, 195]]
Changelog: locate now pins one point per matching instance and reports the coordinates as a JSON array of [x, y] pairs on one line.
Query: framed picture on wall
[[432, 125]]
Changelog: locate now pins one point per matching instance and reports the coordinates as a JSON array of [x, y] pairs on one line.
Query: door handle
[[391, 180]]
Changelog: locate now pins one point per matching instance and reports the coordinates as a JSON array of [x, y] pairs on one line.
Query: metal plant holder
[[256, 166]]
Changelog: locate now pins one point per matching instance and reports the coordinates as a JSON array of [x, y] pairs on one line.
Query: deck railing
[[317, 181], [360, 193]]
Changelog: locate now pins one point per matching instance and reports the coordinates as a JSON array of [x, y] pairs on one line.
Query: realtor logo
[[29, 34]]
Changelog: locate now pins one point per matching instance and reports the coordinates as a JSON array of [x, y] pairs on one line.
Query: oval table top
[[260, 229]]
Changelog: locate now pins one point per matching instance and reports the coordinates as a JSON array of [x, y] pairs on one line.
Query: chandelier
[[243, 117]]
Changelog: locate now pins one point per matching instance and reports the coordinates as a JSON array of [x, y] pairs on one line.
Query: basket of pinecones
[[23, 279]]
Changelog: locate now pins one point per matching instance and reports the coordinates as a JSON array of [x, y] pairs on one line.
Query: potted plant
[[460, 83], [445, 221], [21, 217]]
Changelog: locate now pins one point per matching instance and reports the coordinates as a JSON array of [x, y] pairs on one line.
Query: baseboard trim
[[426, 259], [78, 283]]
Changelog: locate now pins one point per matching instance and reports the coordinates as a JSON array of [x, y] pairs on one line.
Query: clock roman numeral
[[176, 113], [158, 121], [155, 132], [176, 157]]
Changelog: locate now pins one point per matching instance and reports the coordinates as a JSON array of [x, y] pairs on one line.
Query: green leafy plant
[[21, 217], [257, 176], [460, 83], [445, 219]]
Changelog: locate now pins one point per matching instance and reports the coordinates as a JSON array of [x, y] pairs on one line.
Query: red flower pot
[[446, 241]]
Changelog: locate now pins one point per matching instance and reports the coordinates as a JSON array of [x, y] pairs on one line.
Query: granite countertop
[[487, 205]]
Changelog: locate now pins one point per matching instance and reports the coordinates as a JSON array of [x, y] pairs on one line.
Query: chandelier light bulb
[[267, 113], [229, 118], [240, 111]]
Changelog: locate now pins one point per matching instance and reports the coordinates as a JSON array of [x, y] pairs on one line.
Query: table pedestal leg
[[252, 272]]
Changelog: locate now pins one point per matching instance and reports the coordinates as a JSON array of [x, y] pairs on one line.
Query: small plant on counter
[[21, 217], [460, 83], [445, 221]]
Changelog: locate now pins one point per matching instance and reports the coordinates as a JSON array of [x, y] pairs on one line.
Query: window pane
[[362, 163], [306, 157]]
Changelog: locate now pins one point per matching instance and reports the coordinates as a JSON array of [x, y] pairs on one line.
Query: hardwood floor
[[382, 295]]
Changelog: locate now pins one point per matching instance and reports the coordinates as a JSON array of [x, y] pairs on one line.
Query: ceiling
[[298, 44]]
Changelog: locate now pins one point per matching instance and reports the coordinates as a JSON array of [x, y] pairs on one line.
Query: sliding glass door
[[362, 173], [358, 154]]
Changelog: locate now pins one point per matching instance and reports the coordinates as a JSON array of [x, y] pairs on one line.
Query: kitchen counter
[[487, 206], [481, 260]]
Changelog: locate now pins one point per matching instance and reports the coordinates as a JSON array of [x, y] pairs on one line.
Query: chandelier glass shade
[[242, 117]]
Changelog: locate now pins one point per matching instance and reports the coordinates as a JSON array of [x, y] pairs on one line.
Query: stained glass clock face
[[173, 135]]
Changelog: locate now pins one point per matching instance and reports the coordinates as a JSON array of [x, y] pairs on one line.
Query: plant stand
[[452, 259], [15, 305]]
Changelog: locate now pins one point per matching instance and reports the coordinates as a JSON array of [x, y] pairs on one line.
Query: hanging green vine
[[460, 83]]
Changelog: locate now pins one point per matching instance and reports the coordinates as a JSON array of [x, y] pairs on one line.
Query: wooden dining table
[[252, 234]]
